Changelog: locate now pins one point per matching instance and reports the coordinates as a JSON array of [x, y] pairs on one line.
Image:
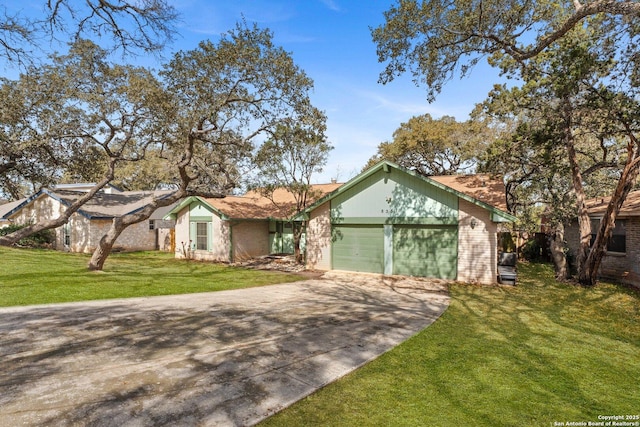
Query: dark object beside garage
[[507, 273]]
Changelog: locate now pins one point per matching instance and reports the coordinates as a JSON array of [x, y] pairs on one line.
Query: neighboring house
[[235, 228], [86, 227], [622, 258], [86, 187], [389, 220]]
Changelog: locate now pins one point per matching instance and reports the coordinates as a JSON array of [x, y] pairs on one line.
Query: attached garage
[[390, 220], [425, 251], [358, 248]]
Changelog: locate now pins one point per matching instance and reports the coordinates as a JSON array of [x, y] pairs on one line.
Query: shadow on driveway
[[225, 358]]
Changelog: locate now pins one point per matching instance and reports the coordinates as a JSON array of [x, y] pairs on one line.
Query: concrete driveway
[[225, 358]]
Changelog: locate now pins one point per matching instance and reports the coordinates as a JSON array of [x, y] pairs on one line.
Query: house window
[[152, 224], [202, 236], [67, 235], [618, 241]]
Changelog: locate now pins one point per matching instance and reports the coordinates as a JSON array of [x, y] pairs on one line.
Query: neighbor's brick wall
[[621, 267], [318, 239], [477, 247], [81, 238], [250, 239], [625, 267], [43, 208], [136, 237], [85, 234]]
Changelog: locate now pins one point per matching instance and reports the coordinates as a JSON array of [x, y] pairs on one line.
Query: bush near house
[[41, 239]]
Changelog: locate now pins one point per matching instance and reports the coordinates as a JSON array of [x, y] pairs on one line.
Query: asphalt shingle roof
[[254, 205]]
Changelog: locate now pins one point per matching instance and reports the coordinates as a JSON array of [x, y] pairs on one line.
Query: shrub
[[532, 251], [41, 239]]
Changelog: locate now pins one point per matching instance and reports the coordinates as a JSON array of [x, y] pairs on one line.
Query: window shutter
[[209, 236]]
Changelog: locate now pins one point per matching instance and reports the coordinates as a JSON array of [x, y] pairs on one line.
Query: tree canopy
[[129, 26], [577, 58], [220, 100], [436, 41], [435, 146]]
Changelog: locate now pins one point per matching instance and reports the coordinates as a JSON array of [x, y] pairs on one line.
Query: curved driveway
[[223, 358]]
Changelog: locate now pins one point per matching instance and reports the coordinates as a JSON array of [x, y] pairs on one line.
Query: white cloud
[[331, 5]]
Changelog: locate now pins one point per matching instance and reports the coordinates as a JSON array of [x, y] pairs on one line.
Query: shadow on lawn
[[216, 363], [522, 353]]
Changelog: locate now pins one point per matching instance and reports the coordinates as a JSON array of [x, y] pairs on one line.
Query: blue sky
[[331, 41]]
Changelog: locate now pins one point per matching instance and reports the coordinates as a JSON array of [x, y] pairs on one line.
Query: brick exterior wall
[[477, 247], [182, 233], [624, 268], [250, 239], [42, 208], [85, 234], [136, 237], [318, 238]]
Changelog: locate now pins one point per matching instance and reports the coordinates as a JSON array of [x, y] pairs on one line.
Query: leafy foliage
[[577, 62], [434, 146], [289, 159], [41, 239], [436, 40]]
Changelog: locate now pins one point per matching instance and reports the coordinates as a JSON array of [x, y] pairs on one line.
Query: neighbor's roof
[[101, 206], [7, 208], [254, 205], [631, 206]]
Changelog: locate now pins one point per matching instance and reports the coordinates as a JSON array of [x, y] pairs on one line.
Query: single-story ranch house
[[390, 220], [622, 259], [236, 228], [86, 226], [386, 220]]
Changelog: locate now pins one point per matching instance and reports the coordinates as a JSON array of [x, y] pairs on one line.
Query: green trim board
[[188, 202], [396, 220]]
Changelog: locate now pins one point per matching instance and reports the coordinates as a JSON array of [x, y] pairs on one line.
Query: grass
[[532, 355], [42, 276]]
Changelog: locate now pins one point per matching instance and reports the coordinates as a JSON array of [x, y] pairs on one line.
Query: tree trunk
[[105, 246], [584, 222], [297, 237], [556, 246], [103, 250], [626, 182]]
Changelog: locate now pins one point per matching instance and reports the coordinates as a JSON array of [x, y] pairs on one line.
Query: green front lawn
[[532, 355], [41, 276]]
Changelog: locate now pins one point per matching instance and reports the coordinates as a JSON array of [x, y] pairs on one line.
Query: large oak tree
[[222, 99], [85, 114], [435, 41]]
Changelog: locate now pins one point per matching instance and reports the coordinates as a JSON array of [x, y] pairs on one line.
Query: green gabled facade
[[393, 221]]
